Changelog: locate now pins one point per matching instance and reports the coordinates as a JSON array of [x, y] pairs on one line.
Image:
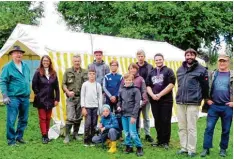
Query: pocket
[[70, 78]]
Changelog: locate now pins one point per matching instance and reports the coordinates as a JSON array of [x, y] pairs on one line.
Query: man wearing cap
[[99, 65], [220, 103], [15, 88], [192, 89], [73, 79]]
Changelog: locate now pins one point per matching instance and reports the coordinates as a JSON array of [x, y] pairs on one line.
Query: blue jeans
[[214, 112], [17, 107], [130, 131]]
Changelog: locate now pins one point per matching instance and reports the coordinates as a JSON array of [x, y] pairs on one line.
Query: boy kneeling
[[109, 128]]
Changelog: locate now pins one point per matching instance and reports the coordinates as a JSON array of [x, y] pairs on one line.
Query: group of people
[[101, 91]]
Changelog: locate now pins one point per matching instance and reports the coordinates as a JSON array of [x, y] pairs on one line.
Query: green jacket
[[13, 83], [211, 80], [73, 80]]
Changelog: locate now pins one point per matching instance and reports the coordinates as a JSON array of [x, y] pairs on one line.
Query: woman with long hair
[[46, 89]]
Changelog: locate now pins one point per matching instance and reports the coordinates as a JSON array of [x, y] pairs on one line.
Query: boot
[[67, 137], [75, 131], [113, 147], [108, 143]]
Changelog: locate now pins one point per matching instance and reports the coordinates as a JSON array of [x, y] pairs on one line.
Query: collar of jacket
[[194, 65], [129, 86], [145, 64], [13, 64], [73, 69], [98, 64]]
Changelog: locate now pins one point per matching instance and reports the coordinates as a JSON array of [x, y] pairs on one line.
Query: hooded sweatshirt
[[101, 70]]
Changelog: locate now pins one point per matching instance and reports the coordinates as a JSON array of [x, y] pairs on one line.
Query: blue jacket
[[110, 122], [111, 84], [13, 83]]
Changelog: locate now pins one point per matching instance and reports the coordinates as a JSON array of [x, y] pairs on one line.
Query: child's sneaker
[[139, 151], [128, 150]]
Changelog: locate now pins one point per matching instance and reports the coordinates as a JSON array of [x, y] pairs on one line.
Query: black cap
[[16, 48]]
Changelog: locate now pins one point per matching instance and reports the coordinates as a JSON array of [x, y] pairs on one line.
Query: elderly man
[[73, 79], [220, 103], [15, 88]]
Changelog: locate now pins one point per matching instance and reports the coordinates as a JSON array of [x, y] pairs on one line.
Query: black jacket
[[145, 70], [192, 84], [46, 91], [129, 101]]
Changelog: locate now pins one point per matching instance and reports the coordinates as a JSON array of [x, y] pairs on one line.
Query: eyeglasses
[[114, 65]]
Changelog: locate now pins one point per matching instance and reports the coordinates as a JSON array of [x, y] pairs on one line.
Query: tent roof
[[37, 40]]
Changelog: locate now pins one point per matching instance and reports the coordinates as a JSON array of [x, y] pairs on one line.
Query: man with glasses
[[220, 103]]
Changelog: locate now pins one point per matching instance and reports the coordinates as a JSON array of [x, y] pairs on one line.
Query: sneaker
[[205, 152], [222, 153], [165, 146], [155, 144], [21, 141], [86, 145], [181, 151], [139, 151], [128, 150], [13, 145], [149, 138], [191, 154], [44, 140]]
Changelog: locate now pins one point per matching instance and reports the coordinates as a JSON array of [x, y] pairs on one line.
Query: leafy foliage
[[183, 24], [12, 13]]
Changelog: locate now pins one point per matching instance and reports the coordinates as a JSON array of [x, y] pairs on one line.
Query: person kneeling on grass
[[129, 104], [109, 129]]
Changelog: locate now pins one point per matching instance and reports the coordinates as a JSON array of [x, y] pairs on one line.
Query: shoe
[[44, 140], [21, 141], [191, 154], [139, 151], [13, 145], [155, 144], [149, 138], [113, 147], [86, 145], [165, 146], [205, 152], [222, 153], [181, 151], [128, 150]]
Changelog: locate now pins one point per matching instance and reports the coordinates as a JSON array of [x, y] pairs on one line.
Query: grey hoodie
[[101, 70], [129, 101]]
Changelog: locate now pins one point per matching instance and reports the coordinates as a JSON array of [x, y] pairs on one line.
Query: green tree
[[183, 24], [12, 13]]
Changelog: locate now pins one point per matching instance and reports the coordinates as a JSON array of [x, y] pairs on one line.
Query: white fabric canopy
[[38, 40]]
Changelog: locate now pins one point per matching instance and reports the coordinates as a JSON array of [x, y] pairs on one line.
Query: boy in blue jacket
[[109, 129]]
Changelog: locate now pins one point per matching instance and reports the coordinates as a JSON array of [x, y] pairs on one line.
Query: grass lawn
[[57, 150]]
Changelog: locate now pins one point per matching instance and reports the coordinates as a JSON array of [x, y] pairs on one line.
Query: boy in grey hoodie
[[99, 66], [129, 104]]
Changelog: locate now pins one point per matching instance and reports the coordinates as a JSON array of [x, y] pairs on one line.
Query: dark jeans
[[162, 119], [17, 107], [90, 124], [214, 112]]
